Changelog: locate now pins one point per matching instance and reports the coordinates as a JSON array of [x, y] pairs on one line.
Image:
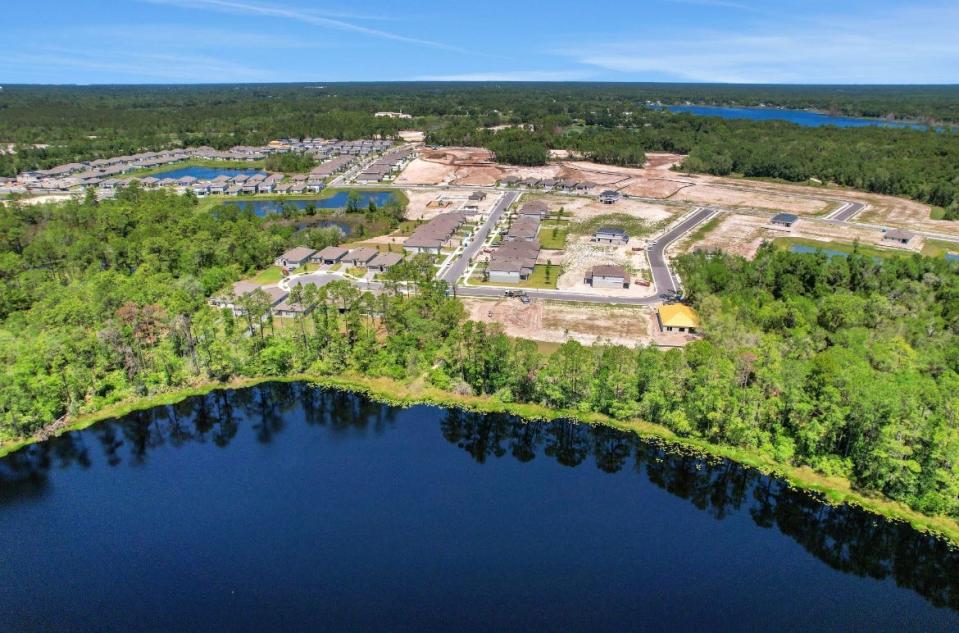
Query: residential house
[[295, 257], [231, 299], [433, 236], [610, 235], [677, 318], [898, 236], [607, 276], [288, 309], [330, 255], [384, 261], [525, 227], [536, 208], [784, 219], [360, 256], [609, 196], [513, 262]]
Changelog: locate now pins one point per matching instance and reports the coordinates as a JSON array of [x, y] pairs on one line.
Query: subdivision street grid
[[456, 268]]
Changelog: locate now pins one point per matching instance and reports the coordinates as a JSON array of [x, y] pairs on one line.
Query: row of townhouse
[[363, 257], [436, 234], [92, 173], [550, 184], [387, 165]]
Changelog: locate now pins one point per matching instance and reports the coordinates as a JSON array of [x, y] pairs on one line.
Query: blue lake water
[[336, 201], [799, 117], [287, 507], [206, 173], [802, 248]]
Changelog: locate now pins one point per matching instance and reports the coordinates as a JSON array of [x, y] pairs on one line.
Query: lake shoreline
[[830, 490], [919, 125]]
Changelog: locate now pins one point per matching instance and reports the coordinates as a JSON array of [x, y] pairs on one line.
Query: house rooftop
[[610, 230], [678, 315], [298, 254], [331, 252], [609, 271], [899, 235]]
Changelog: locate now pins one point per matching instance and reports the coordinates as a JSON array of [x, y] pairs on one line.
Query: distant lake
[[799, 117], [207, 173], [803, 248], [338, 201], [291, 508]]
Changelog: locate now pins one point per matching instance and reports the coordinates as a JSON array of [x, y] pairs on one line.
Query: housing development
[[380, 317], [572, 250]]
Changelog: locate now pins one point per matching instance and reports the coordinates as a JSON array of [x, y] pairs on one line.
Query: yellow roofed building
[[677, 318]]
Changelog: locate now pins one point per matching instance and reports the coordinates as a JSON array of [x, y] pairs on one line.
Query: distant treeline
[[608, 123]]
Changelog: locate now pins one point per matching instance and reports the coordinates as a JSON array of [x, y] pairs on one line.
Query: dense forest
[[849, 365], [607, 123]]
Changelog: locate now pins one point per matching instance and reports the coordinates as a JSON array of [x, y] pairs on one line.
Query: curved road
[[663, 277]]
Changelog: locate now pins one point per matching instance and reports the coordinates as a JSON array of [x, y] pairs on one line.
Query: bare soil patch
[[556, 322]]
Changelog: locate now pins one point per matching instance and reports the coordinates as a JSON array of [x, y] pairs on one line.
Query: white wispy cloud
[[140, 66], [179, 37], [513, 75], [312, 17], [915, 44]]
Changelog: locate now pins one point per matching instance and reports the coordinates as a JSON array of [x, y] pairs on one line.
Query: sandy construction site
[[587, 207], [581, 255], [741, 234], [556, 322]]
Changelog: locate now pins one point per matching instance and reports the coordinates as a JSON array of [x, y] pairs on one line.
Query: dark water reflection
[[341, 447]]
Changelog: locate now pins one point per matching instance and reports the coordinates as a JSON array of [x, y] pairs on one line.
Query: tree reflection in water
[[844, 537]]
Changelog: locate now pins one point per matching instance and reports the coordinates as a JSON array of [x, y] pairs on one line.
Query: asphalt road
[[662, 275], [847, 212], [659, 263], [456, 269]]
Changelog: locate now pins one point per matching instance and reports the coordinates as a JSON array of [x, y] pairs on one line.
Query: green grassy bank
[[833, 490]]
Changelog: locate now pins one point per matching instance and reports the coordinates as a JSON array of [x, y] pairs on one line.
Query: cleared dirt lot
[[728, 196], [581, 255], [475, 166], [583, 207], [426, 204], [555, 322], [741, 234]]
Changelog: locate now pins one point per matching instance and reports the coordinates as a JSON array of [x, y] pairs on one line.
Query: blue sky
[[739, 41]]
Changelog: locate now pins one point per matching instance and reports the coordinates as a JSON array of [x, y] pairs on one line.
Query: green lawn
[[634, 227], [553, 235], [939, 248], [356, 271], [536, 280], [704, 229], [271, 275]]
